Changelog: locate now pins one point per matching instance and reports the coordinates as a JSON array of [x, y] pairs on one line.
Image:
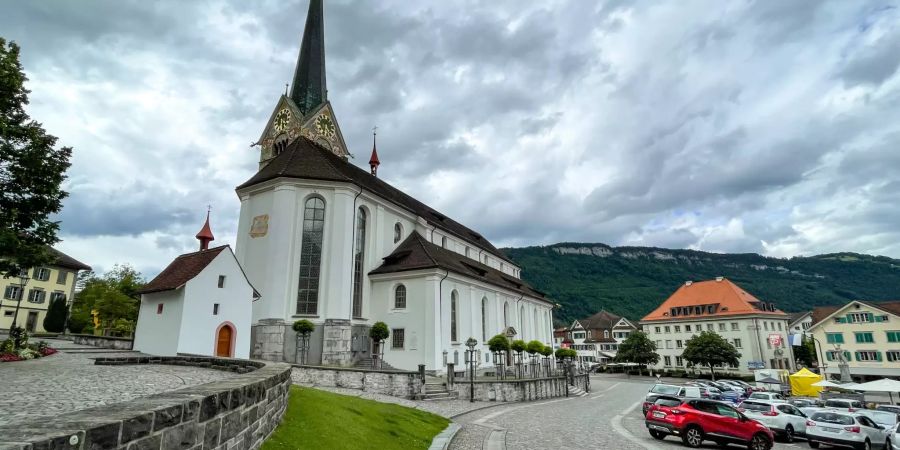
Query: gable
[[876, 312]]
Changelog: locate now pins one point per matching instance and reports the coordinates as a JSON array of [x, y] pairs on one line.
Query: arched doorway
[[225, 340]]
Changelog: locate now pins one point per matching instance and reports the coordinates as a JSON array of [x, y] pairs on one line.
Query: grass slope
[[317, 419], [632, 281]]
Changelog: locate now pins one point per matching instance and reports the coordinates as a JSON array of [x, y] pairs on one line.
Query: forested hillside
[[632, 281]]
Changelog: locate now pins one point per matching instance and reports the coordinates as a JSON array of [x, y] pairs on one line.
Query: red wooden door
[[223, 341]]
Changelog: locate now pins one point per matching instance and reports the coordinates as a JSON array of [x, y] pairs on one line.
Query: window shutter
[[879, 318], [856, 354], [870, 317], [849, 318], [878, 356], [829, 356], [7, 291], [840, 319], [847, 355]]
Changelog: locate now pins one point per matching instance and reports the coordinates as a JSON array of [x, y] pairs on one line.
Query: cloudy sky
[[741, 126]]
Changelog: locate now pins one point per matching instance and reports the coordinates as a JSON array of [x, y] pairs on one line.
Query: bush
[[534, 347], [546, 351], [498, 343], [78, 322], [19, 337], [379, 332], [303, 327], [517, 346], [7, 346], [55, 320], [27, 353]]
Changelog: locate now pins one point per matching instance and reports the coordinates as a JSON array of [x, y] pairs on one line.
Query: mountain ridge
[[631, 281]]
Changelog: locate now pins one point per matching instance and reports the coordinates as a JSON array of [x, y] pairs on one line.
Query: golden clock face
[[325, 126], [282, 120]]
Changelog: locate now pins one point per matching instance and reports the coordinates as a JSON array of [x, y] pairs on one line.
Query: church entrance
[[225, 340]]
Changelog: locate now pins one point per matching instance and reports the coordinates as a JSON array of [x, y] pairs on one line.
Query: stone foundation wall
[[239, 412], [518, 390], [117, 343], [393, 383]]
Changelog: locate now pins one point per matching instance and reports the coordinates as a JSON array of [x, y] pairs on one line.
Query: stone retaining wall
[[117, 343], [388, 382], [518, 390], [239, 412]]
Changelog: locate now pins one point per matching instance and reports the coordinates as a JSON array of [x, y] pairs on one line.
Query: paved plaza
[[608, 418], [69, 381]]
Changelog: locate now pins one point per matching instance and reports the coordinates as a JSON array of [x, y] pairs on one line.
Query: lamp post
[[471, 343], [23, 279]]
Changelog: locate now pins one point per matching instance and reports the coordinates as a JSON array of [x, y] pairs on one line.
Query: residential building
[[756, 328], [43, 285], [200, 304], [866, 334], [800, 322], [596, 339], [324, 240]]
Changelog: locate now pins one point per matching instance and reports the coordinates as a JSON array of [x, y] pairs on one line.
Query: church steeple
[[308, 89]]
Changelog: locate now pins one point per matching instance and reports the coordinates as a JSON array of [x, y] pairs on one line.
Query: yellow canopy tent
[[801, 383]]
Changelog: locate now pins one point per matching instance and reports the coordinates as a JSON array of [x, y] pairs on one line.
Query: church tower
[[305, 109]]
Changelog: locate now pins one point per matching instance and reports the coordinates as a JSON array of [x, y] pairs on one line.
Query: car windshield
[[830, 417], [759, 395], [665, 389], [881, 417], [757, 407], [714, 390], [837, 404]]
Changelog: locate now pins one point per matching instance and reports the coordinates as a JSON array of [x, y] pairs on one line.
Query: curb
[[483, 407], [443, 439]]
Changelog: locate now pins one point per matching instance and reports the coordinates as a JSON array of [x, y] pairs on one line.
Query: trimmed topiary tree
[[534, 347], [303, 327], [546, 350], [517, 346], [55, 321], [498, 343]]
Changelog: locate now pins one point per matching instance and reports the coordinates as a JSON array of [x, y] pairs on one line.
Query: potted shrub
[[303, 328], [379, 332]]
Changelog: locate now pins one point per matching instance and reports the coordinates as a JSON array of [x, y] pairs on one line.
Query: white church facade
[[326, 241]]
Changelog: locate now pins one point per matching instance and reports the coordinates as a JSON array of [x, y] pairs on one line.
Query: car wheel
[[692, 436], [887, 445], [789, 434], [813, 444], [657, 434], [867, 445], [759, 442]]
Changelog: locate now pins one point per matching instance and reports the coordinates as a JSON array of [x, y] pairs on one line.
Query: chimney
[[373, 161], [688, 283], [719, 279], [205, 235]]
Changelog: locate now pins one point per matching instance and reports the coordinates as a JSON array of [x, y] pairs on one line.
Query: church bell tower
[[305, 109]]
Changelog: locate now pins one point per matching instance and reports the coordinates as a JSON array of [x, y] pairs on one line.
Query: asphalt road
[[609, 417]]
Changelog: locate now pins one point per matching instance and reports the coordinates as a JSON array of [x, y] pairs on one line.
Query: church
[[324, 240]]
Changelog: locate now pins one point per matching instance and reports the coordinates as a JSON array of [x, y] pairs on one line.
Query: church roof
[[305, 159], [417, 253], [308, 89]]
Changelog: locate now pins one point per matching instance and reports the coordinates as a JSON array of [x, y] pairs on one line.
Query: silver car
[[845, 429], [782, 418]]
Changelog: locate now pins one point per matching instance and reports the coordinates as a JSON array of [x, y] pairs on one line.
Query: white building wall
[[235, 299], [157, 334]]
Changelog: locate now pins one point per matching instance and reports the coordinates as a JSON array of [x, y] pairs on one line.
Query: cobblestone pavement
[[445, 408], [69, 381], [608, 418]]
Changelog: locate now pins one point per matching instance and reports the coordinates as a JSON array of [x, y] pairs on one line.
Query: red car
[[698, 420]]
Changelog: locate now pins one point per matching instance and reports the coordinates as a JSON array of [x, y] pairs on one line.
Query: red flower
[[9, 357]]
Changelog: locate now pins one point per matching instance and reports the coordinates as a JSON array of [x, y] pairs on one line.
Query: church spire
[[205, 235], [308, 89], [373, 161]]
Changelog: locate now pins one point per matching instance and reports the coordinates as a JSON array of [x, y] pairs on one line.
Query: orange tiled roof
[[731, 298]]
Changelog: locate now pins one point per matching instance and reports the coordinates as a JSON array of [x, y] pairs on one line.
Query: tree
[[498, 343], [710, 350], [534, 347], [55, 320], [639, 349], [379, 332], [303, 327], [517, 346], [563, 353], [546, 351], [114, 297], [31, 172], [806, 352]]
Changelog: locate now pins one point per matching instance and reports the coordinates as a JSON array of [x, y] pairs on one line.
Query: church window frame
[[312, 238], [506, 315], [454, 312], [484, 310], [443, 241], [522, 319], [398, 232], [359, 257], [400, 297]]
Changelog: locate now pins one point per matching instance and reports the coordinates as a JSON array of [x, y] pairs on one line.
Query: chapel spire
[[205, 235], [308, 89]]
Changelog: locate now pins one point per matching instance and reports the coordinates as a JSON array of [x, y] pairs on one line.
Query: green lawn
[[319, 419]]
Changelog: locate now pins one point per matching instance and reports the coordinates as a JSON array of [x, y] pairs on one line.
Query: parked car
[[894, 438], [766, 396], [744, 388], [885, 419], [803, 402], [845, 429], [673, 390], [698, 420], [892, 408], [783, 419], [709, 392], [846, 404]]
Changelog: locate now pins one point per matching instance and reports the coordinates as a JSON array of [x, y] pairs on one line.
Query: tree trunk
[[712, 372]]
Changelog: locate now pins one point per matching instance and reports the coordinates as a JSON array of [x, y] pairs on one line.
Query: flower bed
[[17, 348]]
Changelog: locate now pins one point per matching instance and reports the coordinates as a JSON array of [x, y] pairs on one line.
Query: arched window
[[444, 241], [400, 297], [398, 232], [606, 334], [358, 258], [505, 314], [311, 256], [468, 252], [483, 319], [485, 260], [453, 312], [534, 325], [522, 320]]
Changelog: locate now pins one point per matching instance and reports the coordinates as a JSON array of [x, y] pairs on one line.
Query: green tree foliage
[[546, 350], [710, 350], [637, 348], [379, 332], [55, 320], [305, 327], [518, 346], [31, 172], [534, 347], [78, 322], [566, 353], [806, 352], [498, 343], [632, 281], [114, 296]]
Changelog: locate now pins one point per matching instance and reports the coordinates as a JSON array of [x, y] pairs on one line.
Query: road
[[609, 417]]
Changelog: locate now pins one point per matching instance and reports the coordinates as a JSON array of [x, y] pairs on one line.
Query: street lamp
[[23, 280], [471, 343]]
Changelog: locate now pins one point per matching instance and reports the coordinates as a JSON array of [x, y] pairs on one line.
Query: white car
[[844, 429], [785, 420], [766, 396], [846, 404], [895, 438]]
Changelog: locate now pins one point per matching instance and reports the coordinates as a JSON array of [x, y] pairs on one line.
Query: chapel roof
[[305, 159], [184, 268], [727, 298], [416, 253]]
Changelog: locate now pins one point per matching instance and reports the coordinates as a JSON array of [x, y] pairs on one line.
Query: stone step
[[576, 392], [440, 396]]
